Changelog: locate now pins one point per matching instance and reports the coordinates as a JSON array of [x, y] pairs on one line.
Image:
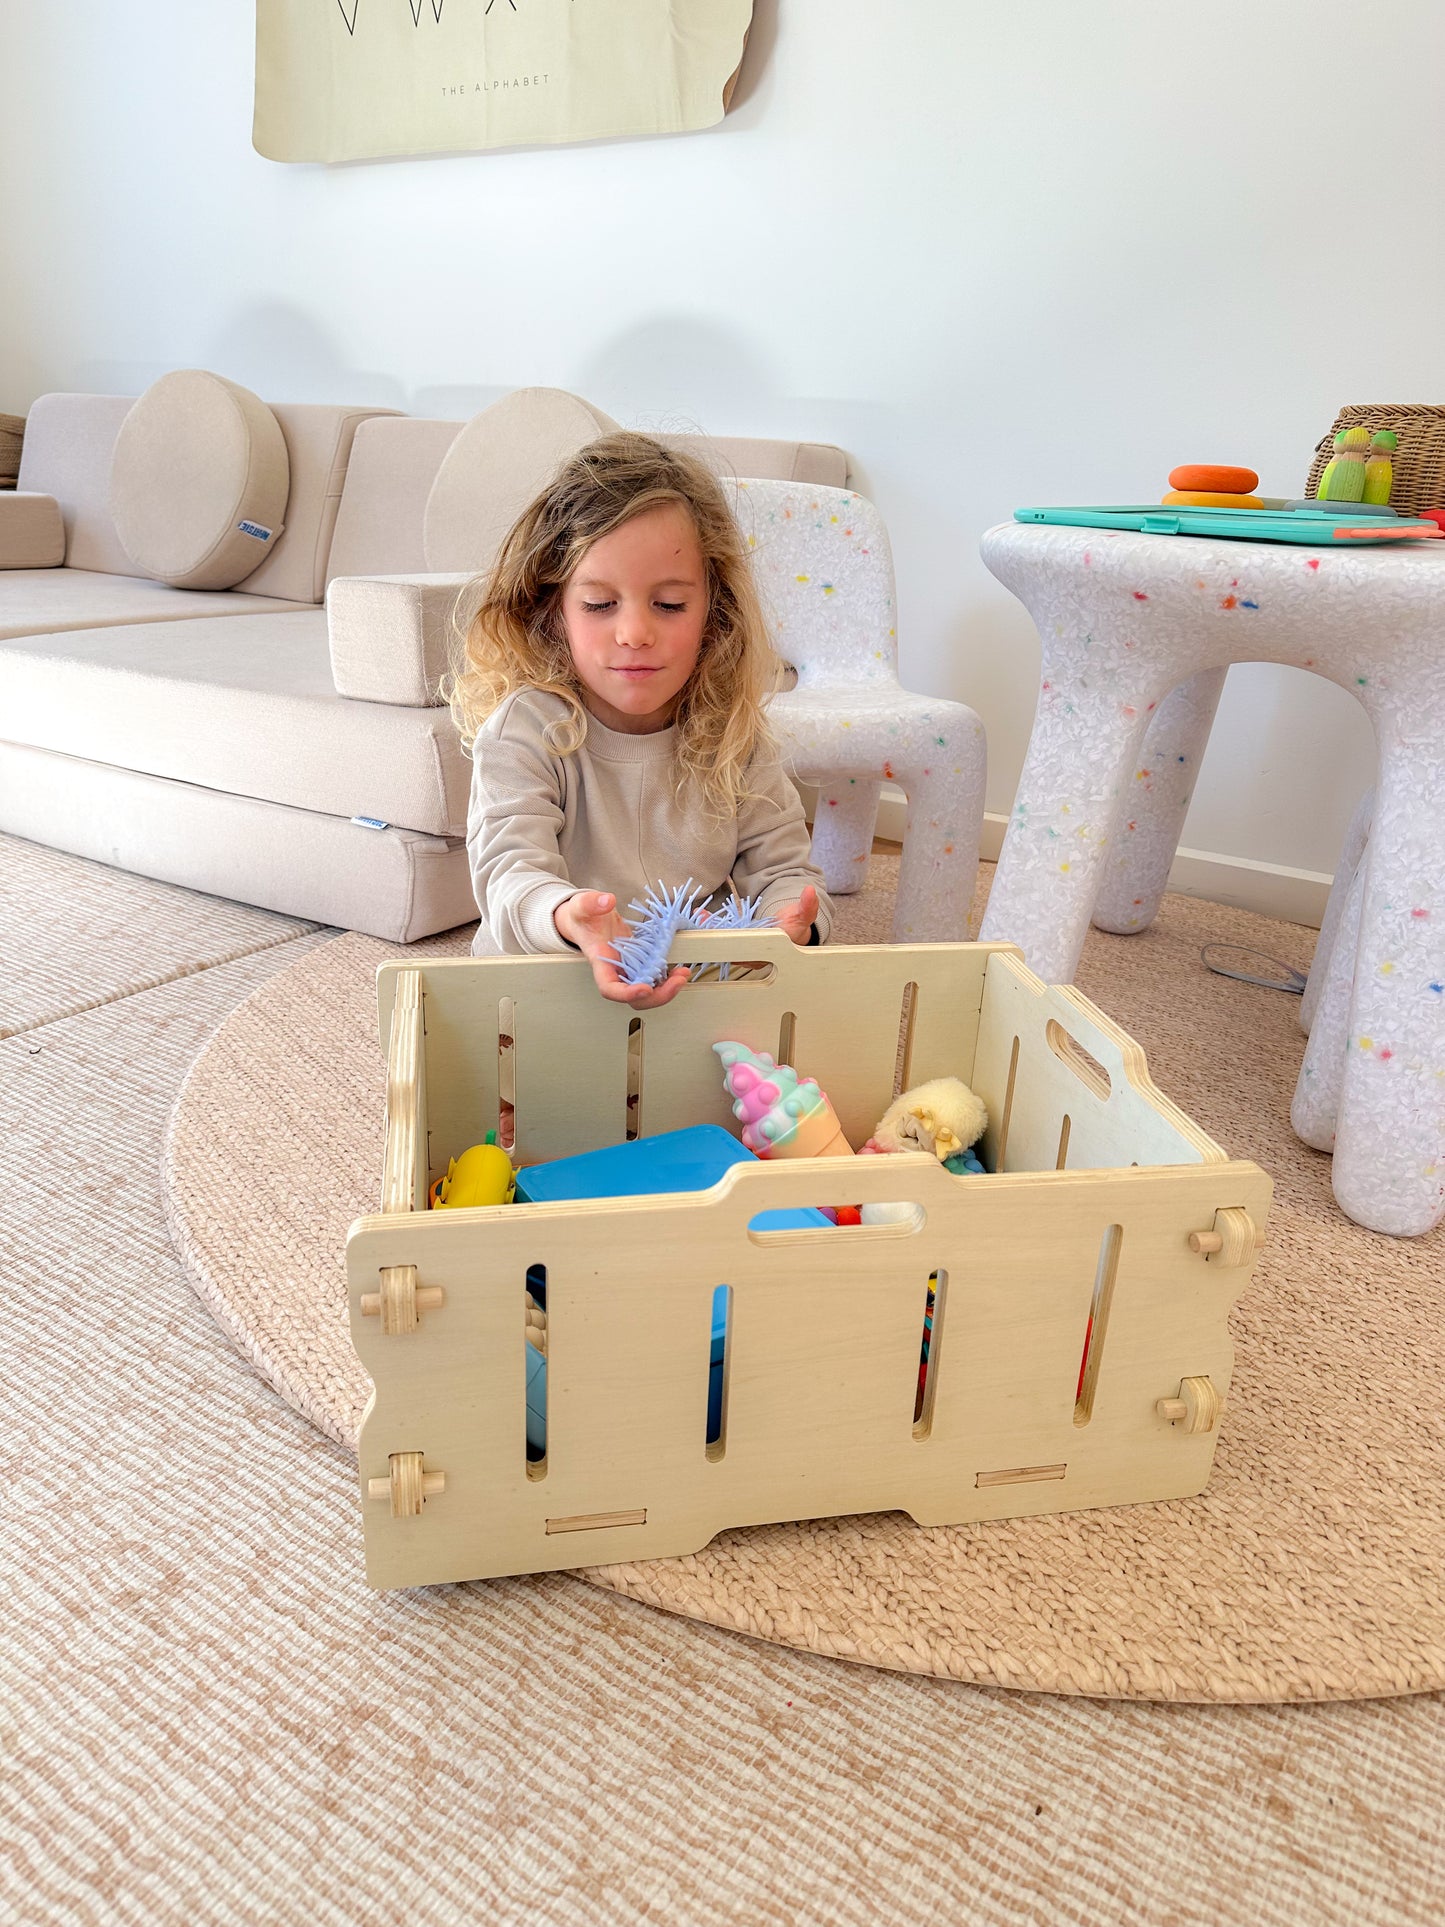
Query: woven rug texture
[[1313, 1566], [206, 1716]]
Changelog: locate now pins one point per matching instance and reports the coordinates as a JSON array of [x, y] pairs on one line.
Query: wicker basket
[[12, 433], [1419, 461]]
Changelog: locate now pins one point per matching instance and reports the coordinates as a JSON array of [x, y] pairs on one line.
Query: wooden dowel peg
[[409, 1485], [1232, 1240], [1196, 1407], [401, 1299]]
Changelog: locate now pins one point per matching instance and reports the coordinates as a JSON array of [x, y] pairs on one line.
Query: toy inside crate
[[1109, 1230]]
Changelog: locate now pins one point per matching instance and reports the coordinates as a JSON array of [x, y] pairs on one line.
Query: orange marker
[[1377, 534]]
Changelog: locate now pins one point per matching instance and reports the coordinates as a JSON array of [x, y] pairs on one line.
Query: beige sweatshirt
[[541, 826]]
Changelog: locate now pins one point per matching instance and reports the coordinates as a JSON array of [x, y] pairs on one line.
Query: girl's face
[[634, 610]]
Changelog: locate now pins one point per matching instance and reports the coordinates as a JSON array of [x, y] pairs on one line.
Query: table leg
[[1348, 862], [939, 867], [1136, 870], [1315, 1110], [1389, 1171], [1082, 768], [843, 829]]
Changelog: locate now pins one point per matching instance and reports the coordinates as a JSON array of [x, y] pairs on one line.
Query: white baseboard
[[1271, 889]]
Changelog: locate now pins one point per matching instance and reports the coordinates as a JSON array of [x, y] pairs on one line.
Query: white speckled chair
[[825, 571]]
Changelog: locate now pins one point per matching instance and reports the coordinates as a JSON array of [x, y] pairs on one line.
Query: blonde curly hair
[[513, 638]]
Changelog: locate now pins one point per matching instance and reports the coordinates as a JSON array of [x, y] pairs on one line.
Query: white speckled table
[[1127, 619]]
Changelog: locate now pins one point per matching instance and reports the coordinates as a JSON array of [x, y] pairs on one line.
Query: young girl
[[612, 696]]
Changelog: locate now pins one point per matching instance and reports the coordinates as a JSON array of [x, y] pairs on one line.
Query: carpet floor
[[206, 1716]]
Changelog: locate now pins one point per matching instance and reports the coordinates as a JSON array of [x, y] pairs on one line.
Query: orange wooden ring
[[1213, 478], [1185, 498]]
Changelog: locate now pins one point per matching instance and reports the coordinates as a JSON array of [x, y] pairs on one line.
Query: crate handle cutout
[[731, 973], [934, 1306], [1097, 1328], [1086, 1068], [812, 1234], [1064, 1129], [719, 1375], [534, 1372]]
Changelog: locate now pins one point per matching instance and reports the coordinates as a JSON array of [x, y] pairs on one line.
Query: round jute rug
[[1312, 1568]]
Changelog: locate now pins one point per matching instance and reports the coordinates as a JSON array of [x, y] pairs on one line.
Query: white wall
[[1002, 250]]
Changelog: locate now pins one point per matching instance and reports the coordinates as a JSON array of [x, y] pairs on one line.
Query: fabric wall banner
[[345, 80]]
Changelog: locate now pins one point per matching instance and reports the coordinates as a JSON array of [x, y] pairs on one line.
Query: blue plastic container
[[688, 1160]]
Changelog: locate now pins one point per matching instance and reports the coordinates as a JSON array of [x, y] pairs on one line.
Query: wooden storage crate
[[1109, 1222]]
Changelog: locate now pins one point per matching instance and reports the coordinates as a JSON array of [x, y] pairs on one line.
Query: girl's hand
[[590, 920], [798, 918]]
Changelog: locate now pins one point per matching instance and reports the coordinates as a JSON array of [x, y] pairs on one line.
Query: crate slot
[[907, 1024], [507, 1074], [934, 1307], [1062, 1157], [598, 1521], [1097, 1329], [1021, 1475], [632, 1120], [1000, 1161], [720, 1312], [535, 1346], [787, 1034]]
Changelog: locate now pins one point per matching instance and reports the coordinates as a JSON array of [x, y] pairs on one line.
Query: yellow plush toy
[[943, 1116], [483, 1174]]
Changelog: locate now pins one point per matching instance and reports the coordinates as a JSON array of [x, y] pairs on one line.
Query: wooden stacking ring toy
[[1212, 478]]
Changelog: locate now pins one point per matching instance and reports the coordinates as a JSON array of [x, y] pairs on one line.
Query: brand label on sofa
[[254, 528]]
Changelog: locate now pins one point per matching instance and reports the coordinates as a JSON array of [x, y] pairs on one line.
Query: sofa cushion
[[37, 602], [199, 480], [394, 884], [69, 440], [393, 637], [823, 464], [68, 446], [243, 704], [394, 461], [32, 532], [318, 443], [500, 460]]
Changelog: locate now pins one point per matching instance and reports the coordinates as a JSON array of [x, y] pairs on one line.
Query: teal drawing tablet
[[1327, 522]]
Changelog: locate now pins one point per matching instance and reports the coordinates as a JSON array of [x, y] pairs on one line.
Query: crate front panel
[[823, 1359]]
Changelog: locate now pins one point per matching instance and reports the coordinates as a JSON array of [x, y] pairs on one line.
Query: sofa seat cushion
[[243, 705], [35, 602]]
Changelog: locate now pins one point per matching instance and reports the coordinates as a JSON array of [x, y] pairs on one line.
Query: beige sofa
[[203, 737]]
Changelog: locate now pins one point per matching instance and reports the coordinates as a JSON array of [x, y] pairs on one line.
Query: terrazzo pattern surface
[[1124, 619]]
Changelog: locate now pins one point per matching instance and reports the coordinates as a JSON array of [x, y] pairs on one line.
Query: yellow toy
[[942, 1116], [481, 1175]]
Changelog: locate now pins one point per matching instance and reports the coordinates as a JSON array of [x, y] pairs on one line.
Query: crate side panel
[[1111, 1131]]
